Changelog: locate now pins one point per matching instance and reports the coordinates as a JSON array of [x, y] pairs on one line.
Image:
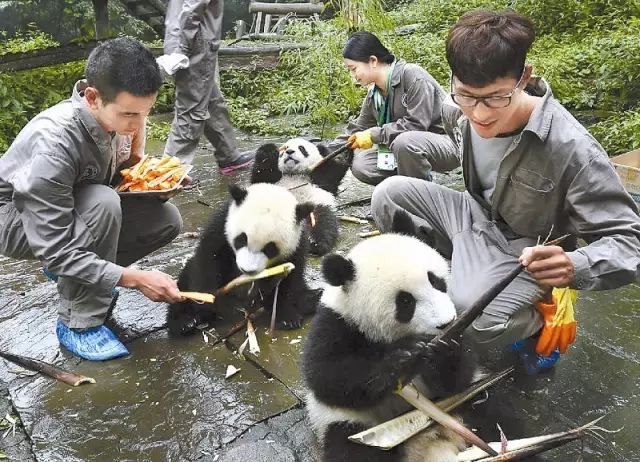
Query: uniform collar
[[397, 72], [100, 136], [540, 120]]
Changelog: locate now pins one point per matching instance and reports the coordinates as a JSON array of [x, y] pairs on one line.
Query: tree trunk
[[101, 12]]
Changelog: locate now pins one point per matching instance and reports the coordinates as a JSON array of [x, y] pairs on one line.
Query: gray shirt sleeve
[[603, 213], [418, 101], [43, 194]]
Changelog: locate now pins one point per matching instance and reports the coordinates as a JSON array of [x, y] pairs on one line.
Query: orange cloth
[[559, 329]]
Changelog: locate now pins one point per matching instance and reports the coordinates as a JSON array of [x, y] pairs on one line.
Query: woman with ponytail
[[399, 128]]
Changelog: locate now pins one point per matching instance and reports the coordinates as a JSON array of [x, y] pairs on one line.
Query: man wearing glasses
[[531, 171]]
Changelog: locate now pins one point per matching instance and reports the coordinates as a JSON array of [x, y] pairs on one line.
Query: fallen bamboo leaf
[[419, 401], [237, 327], [391, 433], [525, 447], [231, 370], [294, 341], [70, 378]]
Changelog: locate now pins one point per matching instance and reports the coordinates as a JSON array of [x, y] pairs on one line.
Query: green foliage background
[[586, 49]]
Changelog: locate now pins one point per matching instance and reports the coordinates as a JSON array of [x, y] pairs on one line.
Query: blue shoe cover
[[95, 344], [534, 362], [52, 276]]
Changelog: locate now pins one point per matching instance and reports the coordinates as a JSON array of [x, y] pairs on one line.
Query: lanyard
[[381, 103]]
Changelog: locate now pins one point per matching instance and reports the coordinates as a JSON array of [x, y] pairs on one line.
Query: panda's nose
[[289, 151]]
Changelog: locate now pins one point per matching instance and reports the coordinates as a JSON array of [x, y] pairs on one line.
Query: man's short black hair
[[122, 64], [484, 46]]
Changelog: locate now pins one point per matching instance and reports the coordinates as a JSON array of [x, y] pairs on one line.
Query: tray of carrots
[[153, 176]]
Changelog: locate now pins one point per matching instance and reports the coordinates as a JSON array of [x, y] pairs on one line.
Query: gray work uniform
[[415, 134], [193, 28], [554, 177], [56, 205]]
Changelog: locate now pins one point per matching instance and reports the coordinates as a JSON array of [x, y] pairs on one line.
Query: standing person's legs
[[418, 153], [218, 129], [193, 92], [459, 229], [147, 225]]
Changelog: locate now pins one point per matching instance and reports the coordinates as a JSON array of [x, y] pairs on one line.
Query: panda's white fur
[[258, 227], [357, 322], [384, 265], [266, 215], [289, 166], [297, 155]]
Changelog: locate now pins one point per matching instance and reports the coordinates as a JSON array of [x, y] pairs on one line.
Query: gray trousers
[[461, 230], [416, 153], [200, 108], [121, 231]]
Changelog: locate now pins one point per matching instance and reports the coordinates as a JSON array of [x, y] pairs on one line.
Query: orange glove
[[360, 140], [559, 329]]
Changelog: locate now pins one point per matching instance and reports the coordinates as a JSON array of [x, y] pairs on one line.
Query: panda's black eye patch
[[270, 250], [240, 241], [437, 282], [304, 151], [405, 306]]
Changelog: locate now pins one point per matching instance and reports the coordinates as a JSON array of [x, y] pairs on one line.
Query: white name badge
[[386, 160]]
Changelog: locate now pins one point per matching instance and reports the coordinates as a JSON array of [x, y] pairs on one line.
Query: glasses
[[493, 102]]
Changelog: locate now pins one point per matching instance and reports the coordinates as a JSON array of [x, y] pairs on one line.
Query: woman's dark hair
[[362, 45], [122, 64], [486, 45]]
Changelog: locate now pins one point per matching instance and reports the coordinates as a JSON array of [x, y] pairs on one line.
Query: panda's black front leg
[[402, 360], [324, 230], [290, 292]]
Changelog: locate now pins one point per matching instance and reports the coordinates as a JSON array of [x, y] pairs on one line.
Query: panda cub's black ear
[[402, 223], [338, 270], [237, 193], [304, 210]]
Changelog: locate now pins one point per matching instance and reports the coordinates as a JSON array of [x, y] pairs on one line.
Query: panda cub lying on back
[[289, 166], [259, 227], [385, 300]]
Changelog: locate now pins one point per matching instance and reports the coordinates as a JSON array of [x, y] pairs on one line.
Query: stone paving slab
[[168, 401]]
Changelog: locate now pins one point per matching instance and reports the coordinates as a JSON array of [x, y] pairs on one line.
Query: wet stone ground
[[170, 400]]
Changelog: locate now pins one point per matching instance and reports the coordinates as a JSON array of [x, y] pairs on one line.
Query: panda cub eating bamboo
[[259, 227], [385, 300], [289, 167]]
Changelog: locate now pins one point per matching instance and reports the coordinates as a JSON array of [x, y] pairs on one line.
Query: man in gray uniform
[[56, 204], [530, 170], [193, 29]]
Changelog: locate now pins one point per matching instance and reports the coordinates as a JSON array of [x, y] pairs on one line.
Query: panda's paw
[[411, 350], [184, 320]]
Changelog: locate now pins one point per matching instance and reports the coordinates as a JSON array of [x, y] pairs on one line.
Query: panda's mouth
[[291, 160]]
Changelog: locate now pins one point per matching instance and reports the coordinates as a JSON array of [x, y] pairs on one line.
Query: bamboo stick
[[68, 377]]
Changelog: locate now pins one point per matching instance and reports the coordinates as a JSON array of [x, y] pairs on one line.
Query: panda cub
[[385, 300], [259, 227], [288, 167]]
